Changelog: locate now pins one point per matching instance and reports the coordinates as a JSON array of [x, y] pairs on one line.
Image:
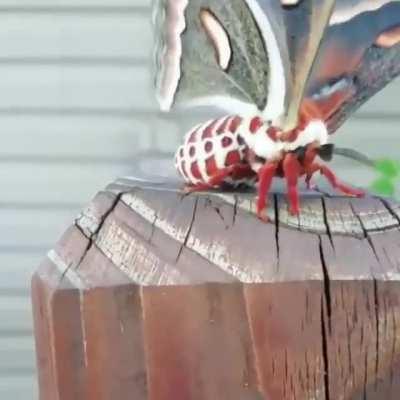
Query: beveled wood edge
[[316, 216], [360, 228], [361, 224]]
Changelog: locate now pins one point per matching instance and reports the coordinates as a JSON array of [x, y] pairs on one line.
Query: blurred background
[[76, 111]]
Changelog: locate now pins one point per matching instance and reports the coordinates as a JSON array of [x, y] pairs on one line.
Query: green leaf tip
[[383, 186], [387, 167]]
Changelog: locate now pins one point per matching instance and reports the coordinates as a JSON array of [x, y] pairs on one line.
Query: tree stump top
[[154, 295], [155, 235]]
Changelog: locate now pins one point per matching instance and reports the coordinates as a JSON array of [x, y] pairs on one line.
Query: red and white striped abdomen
[[209, 148]]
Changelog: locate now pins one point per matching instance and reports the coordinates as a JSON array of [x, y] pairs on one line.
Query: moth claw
[[187, 190], [358, 193], [294, 211], [262, 215]]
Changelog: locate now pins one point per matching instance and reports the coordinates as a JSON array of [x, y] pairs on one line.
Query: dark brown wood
[[151, 294]]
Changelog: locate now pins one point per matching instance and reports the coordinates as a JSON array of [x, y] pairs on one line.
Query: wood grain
[[152, 294]]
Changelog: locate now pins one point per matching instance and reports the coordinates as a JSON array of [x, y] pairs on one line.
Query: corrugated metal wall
[[76, 107]]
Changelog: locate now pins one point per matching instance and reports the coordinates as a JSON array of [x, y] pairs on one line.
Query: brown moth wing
[[360, 54]]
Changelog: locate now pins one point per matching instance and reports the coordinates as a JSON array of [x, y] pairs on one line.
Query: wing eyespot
[[218, 37], [389, 38], [290, 3]]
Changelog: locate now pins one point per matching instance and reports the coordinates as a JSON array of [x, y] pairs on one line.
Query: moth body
[[229, 144], [210, 148], [239, 150]]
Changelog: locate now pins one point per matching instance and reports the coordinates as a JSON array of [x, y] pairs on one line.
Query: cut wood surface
[[152, 294]]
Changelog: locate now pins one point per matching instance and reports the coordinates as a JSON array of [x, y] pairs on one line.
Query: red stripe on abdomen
[[234, 125], [222, 128], [194, 169], [193, 136], [208, 131], [211, 166], [233, 157]]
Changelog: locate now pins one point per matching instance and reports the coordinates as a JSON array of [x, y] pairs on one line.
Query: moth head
[[218, 37]]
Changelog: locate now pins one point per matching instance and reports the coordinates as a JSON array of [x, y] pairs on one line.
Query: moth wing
[[306, 23], [359, 55], [346, 10], [210, 52]]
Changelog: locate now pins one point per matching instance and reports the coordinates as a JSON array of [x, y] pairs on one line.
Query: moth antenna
[[354, 155]]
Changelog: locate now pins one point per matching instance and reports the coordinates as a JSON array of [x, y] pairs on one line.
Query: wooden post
[[154, 295]]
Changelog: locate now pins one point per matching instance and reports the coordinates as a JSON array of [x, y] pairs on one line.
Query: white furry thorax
[[263, 146]]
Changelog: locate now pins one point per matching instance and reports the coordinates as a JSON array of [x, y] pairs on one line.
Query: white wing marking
[[219, 38]]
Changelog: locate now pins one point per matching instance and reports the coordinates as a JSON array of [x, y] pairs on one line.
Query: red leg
[[310, 186], [242, 171], [310, 170], [265, 176], [309, 158], [292, 170], [198, 187], [338, 185], [331, 177]]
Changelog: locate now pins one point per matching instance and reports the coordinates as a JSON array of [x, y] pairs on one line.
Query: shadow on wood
[[155, 295]]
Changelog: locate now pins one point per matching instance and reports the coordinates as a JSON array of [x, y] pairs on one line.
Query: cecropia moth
[[289, 72]]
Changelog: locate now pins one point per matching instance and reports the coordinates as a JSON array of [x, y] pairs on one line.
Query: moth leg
[[292, 170], [214, 181], [309, 184], [309, 157], [198, 187], [265, 176], [241, 171], [236, 171], [332, 179], [308, 179]]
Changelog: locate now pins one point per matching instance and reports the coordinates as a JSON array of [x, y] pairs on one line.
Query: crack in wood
[[377, 333], [146, 345], [277, 245], [235, 209], [389, 209], [394, 346], [218, 211], [257, 364], [91, 238], [153, 228], [308, 371], [184, 244], [365, 375], [326, 222], [311, 219], [325, 356], [327, 284], [365, 232], [349, 352]]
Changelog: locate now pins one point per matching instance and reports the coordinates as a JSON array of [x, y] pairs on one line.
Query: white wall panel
[[109, 36], [49, 87]]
